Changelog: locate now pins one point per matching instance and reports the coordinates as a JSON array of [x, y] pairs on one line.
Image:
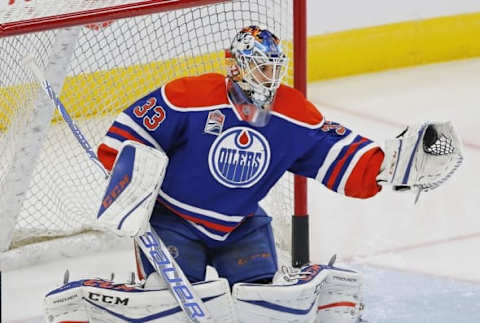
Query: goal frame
[[300, 226]]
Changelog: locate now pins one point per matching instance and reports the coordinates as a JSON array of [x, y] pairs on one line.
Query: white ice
[[420, 261]]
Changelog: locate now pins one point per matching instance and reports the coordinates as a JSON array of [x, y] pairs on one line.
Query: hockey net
[[100, 57]]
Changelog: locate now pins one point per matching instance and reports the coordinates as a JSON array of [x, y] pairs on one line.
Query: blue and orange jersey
[[220, 166]]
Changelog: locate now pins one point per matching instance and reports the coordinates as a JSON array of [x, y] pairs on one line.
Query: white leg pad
[[102, 301], [316, 293]]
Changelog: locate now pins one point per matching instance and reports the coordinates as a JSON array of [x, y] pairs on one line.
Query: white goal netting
[[48, 187]]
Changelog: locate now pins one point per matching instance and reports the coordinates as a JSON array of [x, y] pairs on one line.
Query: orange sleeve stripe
[[338, 167], [107, 155], [362, 182]]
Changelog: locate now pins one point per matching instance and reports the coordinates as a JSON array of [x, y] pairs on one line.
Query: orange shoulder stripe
[[197, 91], [293, 104]]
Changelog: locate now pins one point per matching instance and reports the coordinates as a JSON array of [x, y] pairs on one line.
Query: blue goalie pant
[[247, 255]]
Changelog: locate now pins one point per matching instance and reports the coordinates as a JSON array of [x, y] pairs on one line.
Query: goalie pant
[[316, 293]]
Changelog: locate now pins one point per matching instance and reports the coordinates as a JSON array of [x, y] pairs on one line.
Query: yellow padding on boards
[[394, 45], [107, 92]]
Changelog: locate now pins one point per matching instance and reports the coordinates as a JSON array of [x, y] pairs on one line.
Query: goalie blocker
[[132, 189], [315, 293]]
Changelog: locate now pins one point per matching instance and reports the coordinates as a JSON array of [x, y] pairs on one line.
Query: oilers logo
[[239, 157]]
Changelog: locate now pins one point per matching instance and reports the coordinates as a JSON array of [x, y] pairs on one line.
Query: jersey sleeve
[[150, 121], [341, 160]]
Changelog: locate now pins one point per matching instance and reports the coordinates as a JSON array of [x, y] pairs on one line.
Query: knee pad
[[316, 293]]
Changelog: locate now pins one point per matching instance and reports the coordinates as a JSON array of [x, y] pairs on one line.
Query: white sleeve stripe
[[194, 209], [112, 143], [353, 162], [333, 154], [125, 119]]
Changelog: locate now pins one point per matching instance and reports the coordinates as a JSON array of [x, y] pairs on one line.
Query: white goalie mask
[[256, 66]]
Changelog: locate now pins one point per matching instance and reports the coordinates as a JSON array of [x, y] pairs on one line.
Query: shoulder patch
[[291, 104], [197, 91]]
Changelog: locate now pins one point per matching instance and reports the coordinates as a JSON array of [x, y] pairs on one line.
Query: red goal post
[[34, 19]]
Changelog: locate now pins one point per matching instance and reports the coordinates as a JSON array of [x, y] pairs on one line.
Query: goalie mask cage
[[100, 56]]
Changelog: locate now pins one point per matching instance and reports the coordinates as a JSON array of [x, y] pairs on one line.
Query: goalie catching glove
[[422, 157]]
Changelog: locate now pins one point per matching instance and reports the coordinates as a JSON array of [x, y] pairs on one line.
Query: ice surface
[[394, 296]]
